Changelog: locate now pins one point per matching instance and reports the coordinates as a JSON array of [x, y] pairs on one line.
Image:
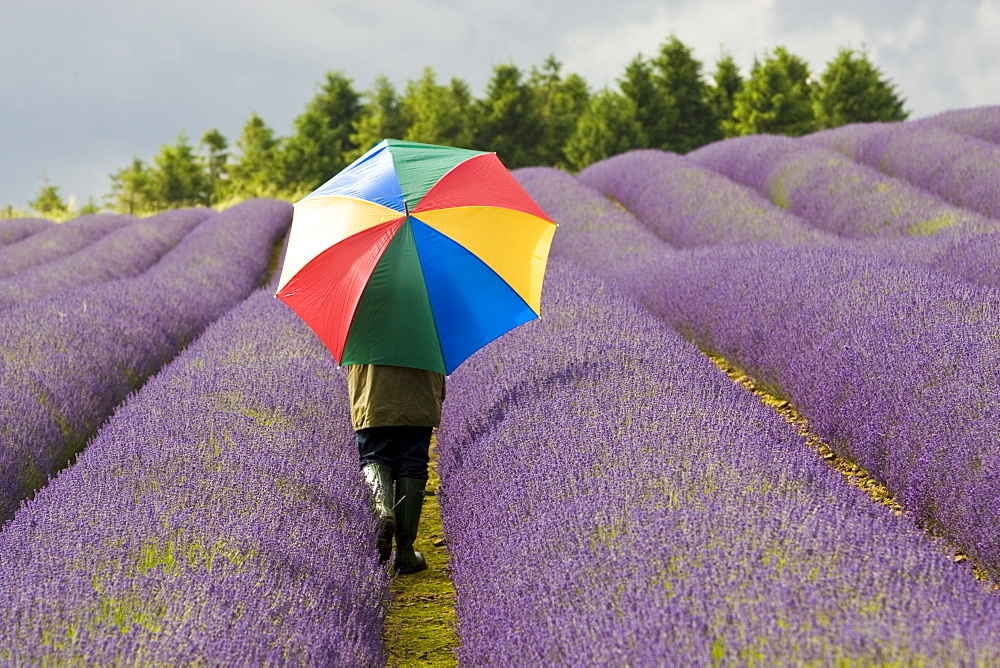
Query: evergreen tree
[[322, 138], [214, 146], [776, 99], [607, 127], [727, 82], [852, 90], [381, 117], [48, 202], [678, 73], [131, 188], [90, 207], [654, 106], [257, 171], [559, 101], [438, 114], [178, 176], [508, 120]]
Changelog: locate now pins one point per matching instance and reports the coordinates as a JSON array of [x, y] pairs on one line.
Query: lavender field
[[177, 469]]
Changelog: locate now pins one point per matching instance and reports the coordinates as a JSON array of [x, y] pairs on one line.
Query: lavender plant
[[13, 230], [880, 356], [894, 365], [957, 168], [690, 206], [69, 358], [55, 241], [217, 518], [979, 122], [610, 498], [123, 253], [833, 192]]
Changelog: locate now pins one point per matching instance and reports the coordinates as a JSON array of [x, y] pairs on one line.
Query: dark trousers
[[405, 450]]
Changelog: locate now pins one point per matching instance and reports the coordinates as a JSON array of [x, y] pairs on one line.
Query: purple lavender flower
[[120, 254], [610, 498], [833, 192], [69, 358], [689, 206], [13, 230], [218, 517], [979, 122], [877, 354], [957, 168], [55, 241]]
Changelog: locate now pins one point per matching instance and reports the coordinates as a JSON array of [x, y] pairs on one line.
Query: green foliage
[[257, 171], [607, 127], [852, 90], [178, 177], [727, 82], [677, 72], [322, 137], [131, 189], [776, 99], [381, 117], [655, 109], [48, 202], [559, 102], [438, 114], [508, 119], [214, 146]]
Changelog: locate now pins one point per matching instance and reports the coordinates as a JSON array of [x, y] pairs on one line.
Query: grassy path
[[420, 626]]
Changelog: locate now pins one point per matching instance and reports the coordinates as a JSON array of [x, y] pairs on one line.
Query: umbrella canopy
[[416, 255]]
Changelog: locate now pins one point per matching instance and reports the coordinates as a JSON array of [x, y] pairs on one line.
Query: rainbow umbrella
[[416, 255]]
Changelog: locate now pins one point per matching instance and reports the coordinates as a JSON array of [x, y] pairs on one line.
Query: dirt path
[[420, 626]]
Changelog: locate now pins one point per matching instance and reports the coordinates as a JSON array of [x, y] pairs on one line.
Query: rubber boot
[[379, 478], [409, 499]]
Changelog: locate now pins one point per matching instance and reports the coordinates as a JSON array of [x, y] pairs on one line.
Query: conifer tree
[[257, 170], [776, 99], [214, 146], [322, 138], [131, 188], [727, 82], [560, 101], [381, 117], [607, 127], [508, 120], [852, 90], [48, 202], [679, 74], [654, 105], [178, 177], [438, 114]]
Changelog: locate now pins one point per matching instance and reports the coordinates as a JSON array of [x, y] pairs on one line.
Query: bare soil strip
[[420, 625]]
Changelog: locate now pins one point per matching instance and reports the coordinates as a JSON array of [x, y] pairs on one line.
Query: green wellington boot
[[379, 478], [409, 499]]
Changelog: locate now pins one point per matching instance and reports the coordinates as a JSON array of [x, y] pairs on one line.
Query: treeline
[[536, 117]]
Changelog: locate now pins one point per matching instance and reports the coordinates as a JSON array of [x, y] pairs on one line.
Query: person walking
[[394, 411]]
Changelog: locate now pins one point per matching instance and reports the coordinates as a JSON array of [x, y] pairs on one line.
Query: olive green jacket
[[386, 396]]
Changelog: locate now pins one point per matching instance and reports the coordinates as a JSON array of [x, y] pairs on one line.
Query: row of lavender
[[216, 518], [71, 356], [610, 498], [895, 364], [13, 230], [122, 253], [50, 242], [689, 206]]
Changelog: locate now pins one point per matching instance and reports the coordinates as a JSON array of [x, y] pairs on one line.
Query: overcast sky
[[86, 85]]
